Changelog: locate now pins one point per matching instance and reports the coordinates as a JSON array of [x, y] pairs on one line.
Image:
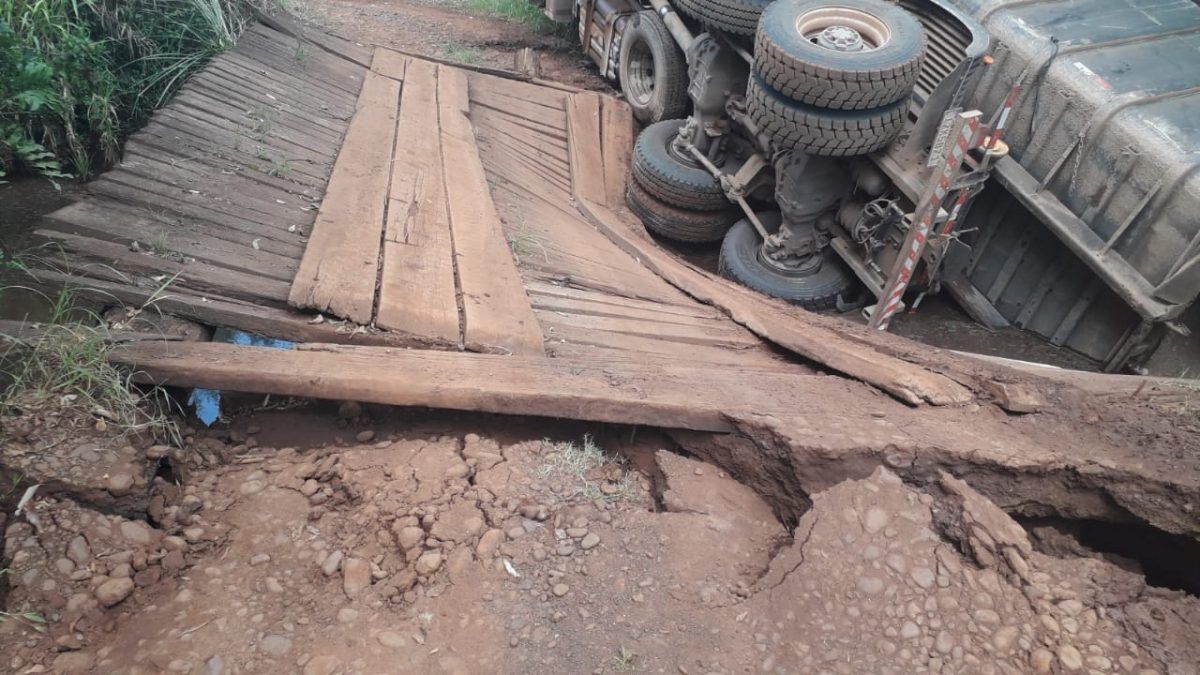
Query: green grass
[[65, 365], [518, 10], [78, 76], [463, 53]]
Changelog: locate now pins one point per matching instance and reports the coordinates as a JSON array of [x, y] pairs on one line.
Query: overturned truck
[[1035, 160]]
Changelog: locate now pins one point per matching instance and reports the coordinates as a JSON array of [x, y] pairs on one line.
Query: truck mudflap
[[1105, 154]]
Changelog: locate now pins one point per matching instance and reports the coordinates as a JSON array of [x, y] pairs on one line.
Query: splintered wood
[[408, 238]]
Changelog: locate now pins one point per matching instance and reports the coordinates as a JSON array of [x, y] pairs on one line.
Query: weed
[[278, 169], [159, 242], [524, 242], [66, 364], [300, 53], [32, 619], [462, 53], [261, 153], [576, 460], [518, 10], [624, 662], [263, 119]]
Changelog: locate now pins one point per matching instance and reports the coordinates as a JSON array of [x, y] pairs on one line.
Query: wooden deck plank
[[195, 274], [591, 389], [417, 291], [775, 321], [587, 162], [340, 265], [496, 311], [390, 64], [616, 140]]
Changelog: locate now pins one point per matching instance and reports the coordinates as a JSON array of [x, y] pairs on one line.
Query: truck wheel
[[658, 168], [740, 261], [686, 225], [652, 70], [844, 54], [739, 17], [818, 131]]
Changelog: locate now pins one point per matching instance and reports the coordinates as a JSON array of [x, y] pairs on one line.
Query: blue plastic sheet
[[207, 402]]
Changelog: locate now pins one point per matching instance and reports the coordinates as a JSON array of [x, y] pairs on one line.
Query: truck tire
[[652, 70], [819, 131], [739, 262], [739, 17], [797, 52], [662, 174], [672, 222]]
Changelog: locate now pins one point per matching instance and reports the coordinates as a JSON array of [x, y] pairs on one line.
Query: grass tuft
[[65, 364], [576, 460], [518, 10], [463, 54]]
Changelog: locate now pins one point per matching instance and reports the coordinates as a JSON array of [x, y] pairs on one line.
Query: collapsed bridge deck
[[361, 200]]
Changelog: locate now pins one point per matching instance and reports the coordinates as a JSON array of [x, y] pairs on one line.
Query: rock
[[137, 532], [347, 615], [119, 484], [1004, 638], [173, 561], [251, 487], [214, 666], [259, 559], [365, 436], [924, 577], [349, 410], [576, 532], [871, 585], [332, 563], [590, 541], [1014, 397], [65, 566], [73, 663], [1070, 657], [356, 576], [489, 543], [560, 590], [390, 639], [275, 646], [273, 585], [429, 563], [944, 642], [876, 520], [309, 487], [410, 537], [148, 576], [1041, 660], [78, 550], [322, 665], [461, 522], [114, 591]]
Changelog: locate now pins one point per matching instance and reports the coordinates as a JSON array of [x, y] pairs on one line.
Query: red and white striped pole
[[914, 244]]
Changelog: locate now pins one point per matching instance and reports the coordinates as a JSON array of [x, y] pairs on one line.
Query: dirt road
[[343, 538]]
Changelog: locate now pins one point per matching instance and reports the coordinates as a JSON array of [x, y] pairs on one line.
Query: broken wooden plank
[[616, 140], [583, 134], [775, 321], [389, 64], [685, 397], [340, 265], [496, 311], [417, 292]]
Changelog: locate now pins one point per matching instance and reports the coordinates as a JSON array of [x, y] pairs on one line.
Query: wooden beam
[[616, 140], [583, 142], [417, 292], [338, 272], [496, 312], [776, 321]]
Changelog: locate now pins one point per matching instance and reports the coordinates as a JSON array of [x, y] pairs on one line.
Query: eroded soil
[[378, 542]]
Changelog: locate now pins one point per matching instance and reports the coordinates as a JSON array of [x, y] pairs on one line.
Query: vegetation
[[65, 364], [462, 53], [519, 10], [77, 76]]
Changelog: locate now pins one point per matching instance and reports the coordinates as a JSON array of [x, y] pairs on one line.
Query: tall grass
[[77, 76]]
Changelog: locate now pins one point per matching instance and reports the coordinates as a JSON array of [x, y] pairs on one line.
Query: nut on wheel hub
[[840, 38]]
